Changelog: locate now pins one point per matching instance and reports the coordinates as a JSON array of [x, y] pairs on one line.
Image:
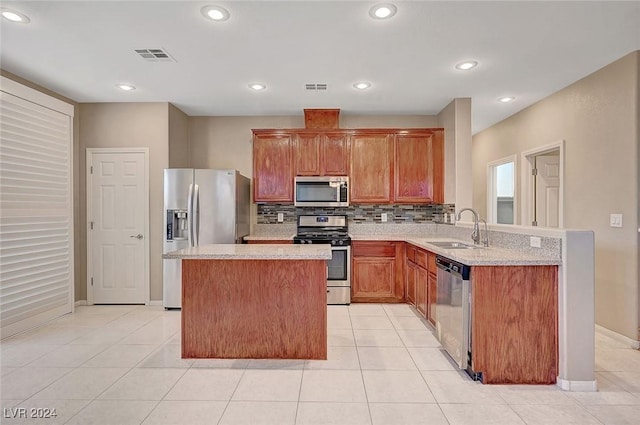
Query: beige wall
[[455, 118], [597, 117], [179, 155], [113, 125]]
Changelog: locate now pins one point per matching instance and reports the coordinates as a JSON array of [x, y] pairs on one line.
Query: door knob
[[138, 236]]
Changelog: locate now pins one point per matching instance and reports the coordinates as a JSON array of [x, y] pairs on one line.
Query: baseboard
[[618, 337], [577, 386], [155, 302], [81, 302]]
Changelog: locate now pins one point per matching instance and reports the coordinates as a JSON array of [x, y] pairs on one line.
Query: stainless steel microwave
[[321, 191]]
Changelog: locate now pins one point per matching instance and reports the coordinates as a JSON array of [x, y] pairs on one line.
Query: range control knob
[[340, 242]]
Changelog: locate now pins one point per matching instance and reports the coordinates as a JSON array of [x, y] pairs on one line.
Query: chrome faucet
[[475, 235], [485, 240]]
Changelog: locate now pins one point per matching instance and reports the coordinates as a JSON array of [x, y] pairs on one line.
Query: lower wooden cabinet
[[377, 271], [432, 288], [410, 286], [422, 277]]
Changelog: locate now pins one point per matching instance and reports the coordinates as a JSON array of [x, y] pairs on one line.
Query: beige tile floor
[[121, 365]]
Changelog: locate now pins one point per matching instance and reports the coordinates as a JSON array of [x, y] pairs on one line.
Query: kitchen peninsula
[[252, 301]]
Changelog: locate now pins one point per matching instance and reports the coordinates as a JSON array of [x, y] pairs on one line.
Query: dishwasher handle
[[457, 269]]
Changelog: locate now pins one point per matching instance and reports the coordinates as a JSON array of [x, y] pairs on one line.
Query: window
[[501, 194]]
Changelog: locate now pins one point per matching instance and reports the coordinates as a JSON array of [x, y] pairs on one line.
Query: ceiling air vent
[[315, 87], [155, 55]]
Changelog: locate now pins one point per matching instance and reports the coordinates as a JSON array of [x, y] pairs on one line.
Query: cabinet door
[[307, 154], [418, 172], [272, 168], [422, 277], [371, 168], [335, 154], [410, 291], [377, 272], [373, 278], [432, 287]]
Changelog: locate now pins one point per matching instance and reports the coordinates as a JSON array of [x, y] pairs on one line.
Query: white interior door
[[547, 192], [118, 248]]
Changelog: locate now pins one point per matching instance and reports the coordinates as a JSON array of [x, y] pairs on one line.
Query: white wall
[[597, 117]]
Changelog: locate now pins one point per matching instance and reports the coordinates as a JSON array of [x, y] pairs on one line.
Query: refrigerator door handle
[[196, 216], [190, 215]]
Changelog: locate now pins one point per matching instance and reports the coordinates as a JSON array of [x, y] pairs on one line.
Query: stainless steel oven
[[332, 230], [339, 275]]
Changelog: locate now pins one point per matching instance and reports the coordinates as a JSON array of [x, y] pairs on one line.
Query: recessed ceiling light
[[125, 87], [467, 65], [383, 11], [14, 16], [257, 86], [362, 85], [506, 99], [215, 13]]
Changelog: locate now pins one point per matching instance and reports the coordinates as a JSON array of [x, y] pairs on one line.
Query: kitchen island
[[252, 301]]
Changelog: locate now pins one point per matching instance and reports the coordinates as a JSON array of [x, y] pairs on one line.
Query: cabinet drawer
[[431, 263], [411, 253], [421, 258], [373, 249]]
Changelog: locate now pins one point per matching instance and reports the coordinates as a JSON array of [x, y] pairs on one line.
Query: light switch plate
[[280, 217], [535, 242], [615, 220], [383, 217]]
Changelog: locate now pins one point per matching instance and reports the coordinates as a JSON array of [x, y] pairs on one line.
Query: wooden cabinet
[[371, 168], [410, 287], [321, 154], [421, 280], [272, 167], [377, 272], [384, 165], [514, 324], [418, 173]]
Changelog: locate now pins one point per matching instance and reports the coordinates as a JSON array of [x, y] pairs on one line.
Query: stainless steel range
[[333, 230]]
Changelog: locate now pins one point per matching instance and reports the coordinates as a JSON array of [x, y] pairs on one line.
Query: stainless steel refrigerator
[[200, 207]]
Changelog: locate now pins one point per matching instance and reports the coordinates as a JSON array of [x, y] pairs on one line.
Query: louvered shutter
[[36, 220]]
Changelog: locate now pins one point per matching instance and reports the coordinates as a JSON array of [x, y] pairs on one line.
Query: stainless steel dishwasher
[[453, 312]]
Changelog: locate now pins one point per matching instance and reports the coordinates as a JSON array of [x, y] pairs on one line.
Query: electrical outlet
[[615, 220], [383, 217], [280, 217], [535, 242]]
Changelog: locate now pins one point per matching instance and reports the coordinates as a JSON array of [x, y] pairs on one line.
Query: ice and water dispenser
[[177, 225]]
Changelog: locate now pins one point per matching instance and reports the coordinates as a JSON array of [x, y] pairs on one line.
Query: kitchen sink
[[453, 245]]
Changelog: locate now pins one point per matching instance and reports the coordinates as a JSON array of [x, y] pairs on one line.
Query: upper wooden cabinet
[[371, 173], [321, 154], [418, 167], [272, 167]]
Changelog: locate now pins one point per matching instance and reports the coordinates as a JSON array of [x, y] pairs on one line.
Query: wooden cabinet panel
[[371, 168], [411, 253], [421, 290], [321, 154], [421, 258], [432, 287], [272, 167], [335, 154], [418, 173], [373, 277], [307, 154], [514, 324], [377, 271], [373, 249], [410, 287]]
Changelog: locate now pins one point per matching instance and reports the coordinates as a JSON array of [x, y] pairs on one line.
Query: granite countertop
[[253, 252], [268, 237], [479, 256]]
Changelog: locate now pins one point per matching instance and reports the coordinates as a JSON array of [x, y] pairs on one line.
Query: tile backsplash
[[398, 214]]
